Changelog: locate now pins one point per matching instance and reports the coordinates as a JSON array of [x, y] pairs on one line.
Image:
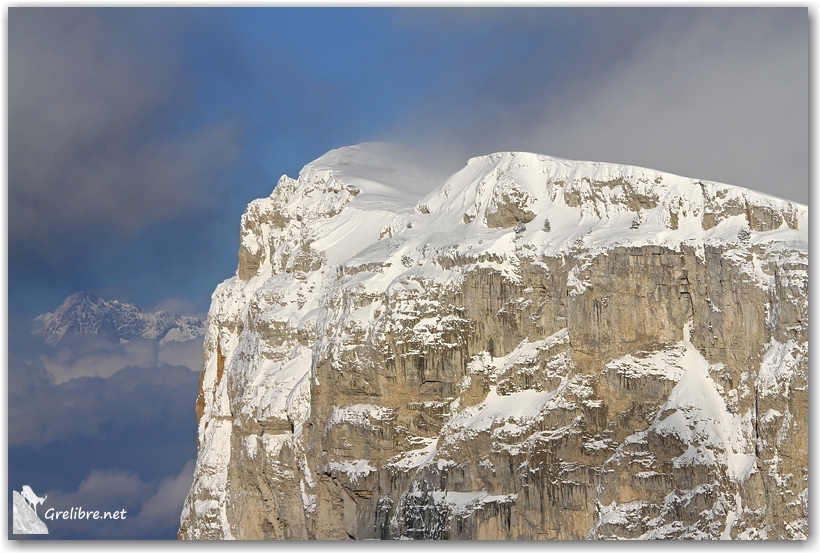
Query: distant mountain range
[[85, 314]]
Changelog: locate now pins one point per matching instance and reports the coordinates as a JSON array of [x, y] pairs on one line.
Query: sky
[[136, 137]]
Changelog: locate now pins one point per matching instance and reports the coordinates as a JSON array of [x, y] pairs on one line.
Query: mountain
[[533, 348], [84, 314]]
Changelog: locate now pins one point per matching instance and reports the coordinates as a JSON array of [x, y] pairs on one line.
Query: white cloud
[[166, 504], [93, 356], [187, 354], [182, 306], [134, 398], [150, 506], [96, 357], [103, 490]]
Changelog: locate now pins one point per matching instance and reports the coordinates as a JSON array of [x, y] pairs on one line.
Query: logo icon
[[26, 520]]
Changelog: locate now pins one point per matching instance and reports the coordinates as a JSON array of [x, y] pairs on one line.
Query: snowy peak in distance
[[85, 314]]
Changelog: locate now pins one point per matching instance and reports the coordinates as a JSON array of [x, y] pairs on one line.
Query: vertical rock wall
[[538, 349]]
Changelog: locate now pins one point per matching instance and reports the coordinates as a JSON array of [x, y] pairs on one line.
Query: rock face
[[84, 314], [535, 348]]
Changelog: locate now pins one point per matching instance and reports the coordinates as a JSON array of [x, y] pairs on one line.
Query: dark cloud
[[136, 139], [87, 148], [103, 443], [41, 410], [724, 98]]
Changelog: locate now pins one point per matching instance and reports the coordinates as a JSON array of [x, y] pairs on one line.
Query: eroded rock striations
[[535, 348]]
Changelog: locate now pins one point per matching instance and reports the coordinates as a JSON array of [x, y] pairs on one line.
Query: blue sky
[[138, 136]]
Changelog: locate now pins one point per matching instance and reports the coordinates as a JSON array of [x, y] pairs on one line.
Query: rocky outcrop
[[535, 349]]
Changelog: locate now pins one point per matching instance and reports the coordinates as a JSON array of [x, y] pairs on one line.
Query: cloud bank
[[41, 412], [105, 443], [717, 94], [152, 508], [724, 98], [89, 143], [76, 357]]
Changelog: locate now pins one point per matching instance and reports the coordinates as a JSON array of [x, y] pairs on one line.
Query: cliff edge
[[535, 348]]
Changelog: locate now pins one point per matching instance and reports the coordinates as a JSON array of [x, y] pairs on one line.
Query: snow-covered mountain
[[84, 314], [534, 348]]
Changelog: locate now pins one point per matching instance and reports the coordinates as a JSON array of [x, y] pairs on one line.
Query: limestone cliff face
[[534, 348]]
